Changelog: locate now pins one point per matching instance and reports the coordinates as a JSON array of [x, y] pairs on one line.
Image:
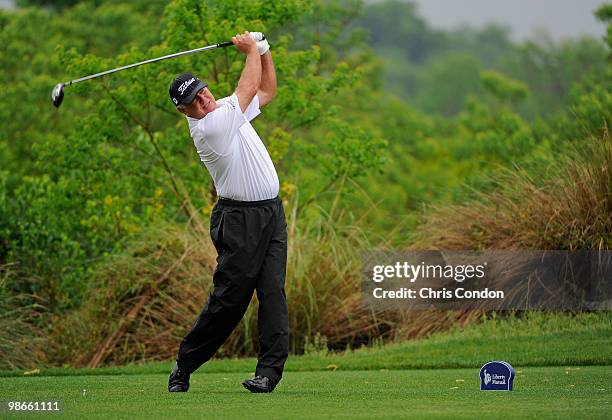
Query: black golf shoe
[[179, 380], [259, 384]]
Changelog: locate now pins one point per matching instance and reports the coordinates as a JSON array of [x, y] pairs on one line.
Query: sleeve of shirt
[[219, 128], [253, 109]]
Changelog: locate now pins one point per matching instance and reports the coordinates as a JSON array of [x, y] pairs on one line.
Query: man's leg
[[231, 296], [221, 314], [234, 282], [273, 321]]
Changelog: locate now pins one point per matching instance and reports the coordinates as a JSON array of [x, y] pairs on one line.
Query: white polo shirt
[[233, 153]]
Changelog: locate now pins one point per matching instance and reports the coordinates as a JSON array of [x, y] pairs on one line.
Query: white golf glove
[[257, 36], [261, 41]]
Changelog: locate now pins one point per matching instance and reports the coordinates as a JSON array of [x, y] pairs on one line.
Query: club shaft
[[152, 60]]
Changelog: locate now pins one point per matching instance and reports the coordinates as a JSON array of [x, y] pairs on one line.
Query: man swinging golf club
[[247, 224]]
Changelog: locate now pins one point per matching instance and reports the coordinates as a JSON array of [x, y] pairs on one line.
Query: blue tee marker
[[496, 376]]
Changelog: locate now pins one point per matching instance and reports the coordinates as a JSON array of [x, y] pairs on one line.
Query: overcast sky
[[562, 18]]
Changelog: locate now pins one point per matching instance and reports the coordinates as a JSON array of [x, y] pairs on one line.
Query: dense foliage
[[378, 118]]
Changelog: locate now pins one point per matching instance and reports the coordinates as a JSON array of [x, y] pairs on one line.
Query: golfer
[[247, 224]]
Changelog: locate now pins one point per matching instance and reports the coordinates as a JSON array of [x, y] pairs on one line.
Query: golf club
[[57, 94]]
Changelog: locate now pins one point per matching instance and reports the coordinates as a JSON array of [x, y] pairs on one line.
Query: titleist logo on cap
[[185, 85]]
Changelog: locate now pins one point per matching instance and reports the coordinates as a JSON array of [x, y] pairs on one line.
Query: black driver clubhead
[[57, 94]]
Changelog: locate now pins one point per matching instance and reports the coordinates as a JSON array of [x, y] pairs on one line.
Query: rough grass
[[20, 327], [142, 302], [568, 207], [531, 339]]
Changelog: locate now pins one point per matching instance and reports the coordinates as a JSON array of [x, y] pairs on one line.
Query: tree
[[120, 157]]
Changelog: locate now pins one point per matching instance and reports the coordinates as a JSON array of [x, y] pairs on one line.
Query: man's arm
[[267, 88], [250, 79]]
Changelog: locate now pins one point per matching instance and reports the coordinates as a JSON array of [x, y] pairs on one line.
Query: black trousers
[[251, 242]]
